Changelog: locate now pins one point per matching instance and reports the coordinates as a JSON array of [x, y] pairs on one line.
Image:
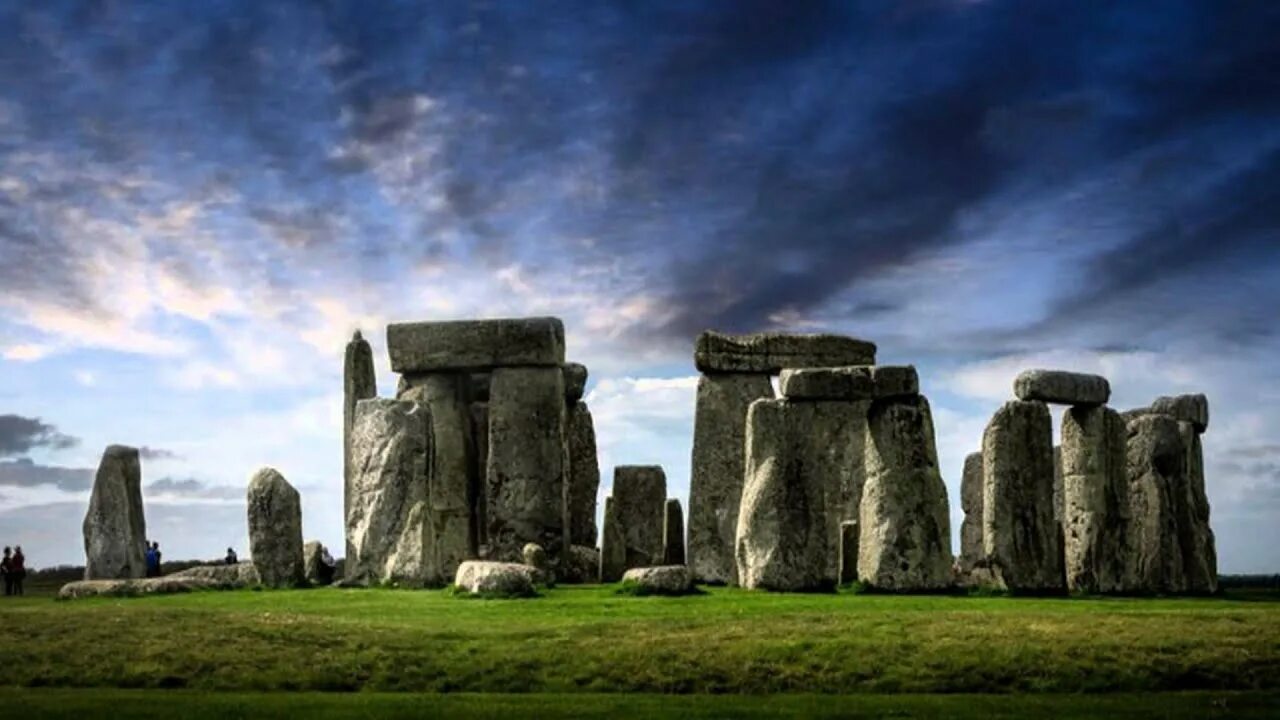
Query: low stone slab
[[499, 579], [575, 381], [475, 344], [536, 558], [167, 585], [242, 574], [580, 565], [1061, 387], [660, 580], [771, 352], [855, 382], [1185, 408]]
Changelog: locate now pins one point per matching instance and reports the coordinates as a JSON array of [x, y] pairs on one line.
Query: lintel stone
[[1061, 387], [475, 344], [771, 352]]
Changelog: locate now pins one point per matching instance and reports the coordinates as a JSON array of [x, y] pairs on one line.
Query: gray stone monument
[[115, 530]]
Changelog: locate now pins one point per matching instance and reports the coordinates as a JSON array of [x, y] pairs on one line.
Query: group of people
[[14, 569]]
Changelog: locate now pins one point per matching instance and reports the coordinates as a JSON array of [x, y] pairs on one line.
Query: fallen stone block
[[659, 580], [496, 579]]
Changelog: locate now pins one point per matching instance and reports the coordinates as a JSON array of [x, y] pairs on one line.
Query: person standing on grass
[[6, 566], [18, 570], [153, 563], [231, 558], [156, 547]]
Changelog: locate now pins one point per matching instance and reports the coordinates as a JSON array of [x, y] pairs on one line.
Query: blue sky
[[200, 202]]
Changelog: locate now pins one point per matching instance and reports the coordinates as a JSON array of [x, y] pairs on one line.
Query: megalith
[[584, 475], [904, 525], [613, 545], [358, 383], [639, 502], [275, 529], [1022, 542], [673, 533], [1095, 493], [971, 552], [317, 563], [115, 530], [1185, 408], [1062, 387], [387, 524], [1156, 464], [1199, 547], [848, 552]]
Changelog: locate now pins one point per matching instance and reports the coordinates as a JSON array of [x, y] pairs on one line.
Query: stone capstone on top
[[575, 381], [1060, 387], [856, 382], [1185, 408], [475, 344], [772, 352]]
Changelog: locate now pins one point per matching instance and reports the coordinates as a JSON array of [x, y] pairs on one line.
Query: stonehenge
[[115, 530], [359, 382], [583, 480], [971, 552], [639, 504], [1095, 499], [275, 530], [673, 533]]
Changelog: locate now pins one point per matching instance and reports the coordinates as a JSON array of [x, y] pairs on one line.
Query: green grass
[[164, 705], [589, 639]]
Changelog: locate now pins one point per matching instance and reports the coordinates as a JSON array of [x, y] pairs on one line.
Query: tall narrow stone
[[719, 433], [904, 526], [613, 545], [673, 533], [583, 483], [639, 501], [971, 503], [387, 524], [275, 530], [358, 383], [1095, 499], [848, 552], [479, 473], [1199, 548], [1156, 468], [527, 462], [450, 486], [115, 530]]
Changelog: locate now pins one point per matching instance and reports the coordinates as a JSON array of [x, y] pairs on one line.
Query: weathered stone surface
[[475, 344], [613, 545], [800, 457], [1095, 493], [1022, 543], [479, 473], [1059, 503], [528, 458], [167, 585], [769, 353], [242, 574], [1156, 468], [359, 382], [386, 524], [580, 565], [1186, 408], [275, 529], [719, 443], [536, 558], [971, 552], [575, 381], [115, 530], [904, 526], [584, 475], [451, 482], [856, 382], [1199, 547], [479, 386], [1058, 386], [848, 551], [673, 533], [317, 564], [639, 501], [500, 579], [661, 579]]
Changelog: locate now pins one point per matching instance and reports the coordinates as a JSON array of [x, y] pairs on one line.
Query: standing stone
[[971, 552], [1199, 548], [804, 463], [1095, 499], [673, 533], [317, 563], [527, 462], [450, 485], [115, 530], [584, 475], [1021, 541], [719, 441], [275, 530], [1059, 501], [387, 526], [480, 465], [358, 383], [575, 382], [904, 539], [1057, 386], [848, 552], [613, 545], [1156, 465], [639, 501]]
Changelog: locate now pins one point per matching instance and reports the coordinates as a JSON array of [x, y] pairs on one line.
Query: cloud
[[150, 453], [190, 488], [23, 472], [19, 435]]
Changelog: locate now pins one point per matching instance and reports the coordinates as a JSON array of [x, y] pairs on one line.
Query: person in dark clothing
[[159, 558], [6, 565], [231, 558], [153, 561], [18, 570]]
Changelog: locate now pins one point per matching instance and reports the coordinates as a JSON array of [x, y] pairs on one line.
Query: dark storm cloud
[[25, 473], [20, 435]]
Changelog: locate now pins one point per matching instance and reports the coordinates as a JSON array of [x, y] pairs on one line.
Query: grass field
[[579, 646]]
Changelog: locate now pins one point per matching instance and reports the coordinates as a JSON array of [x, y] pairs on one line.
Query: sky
[[200, 202]]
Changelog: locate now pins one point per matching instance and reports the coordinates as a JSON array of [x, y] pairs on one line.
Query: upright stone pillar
[[115, 530], [275, 530], [1199, 547], [480, 471], [358, 383], [639, 501], [848, 552], [1156, 469], [1095, 499], [584, 475], [613, 545], [971, 552], [450, 488], [673, 533], [905, 526], [527, 462]]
